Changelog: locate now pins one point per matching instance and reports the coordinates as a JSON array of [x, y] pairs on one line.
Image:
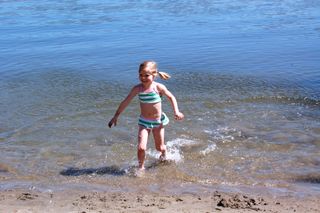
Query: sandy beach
[[22, 201]]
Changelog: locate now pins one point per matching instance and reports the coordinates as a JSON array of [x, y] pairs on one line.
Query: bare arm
[[134, 91], [173, 101]]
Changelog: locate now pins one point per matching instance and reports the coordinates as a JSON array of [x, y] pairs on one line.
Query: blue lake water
[[245, 73]]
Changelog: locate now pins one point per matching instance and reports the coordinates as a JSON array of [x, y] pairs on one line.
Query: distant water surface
[[246, 75]]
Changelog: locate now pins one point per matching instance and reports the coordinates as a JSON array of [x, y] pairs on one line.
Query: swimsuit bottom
[[153, 123]]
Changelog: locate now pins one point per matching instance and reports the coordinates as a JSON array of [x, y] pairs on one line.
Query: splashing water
[[174, 152]]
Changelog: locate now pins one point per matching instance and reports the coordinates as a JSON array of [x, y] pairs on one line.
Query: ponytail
[[164, 75]]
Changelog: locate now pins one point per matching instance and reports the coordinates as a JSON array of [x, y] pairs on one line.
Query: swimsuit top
[[149, 97]]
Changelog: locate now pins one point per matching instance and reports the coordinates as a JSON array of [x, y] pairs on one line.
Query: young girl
[[151, 119]]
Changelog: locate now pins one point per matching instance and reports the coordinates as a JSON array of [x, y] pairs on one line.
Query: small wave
[[224, 134], [283, 100], [208, 149]]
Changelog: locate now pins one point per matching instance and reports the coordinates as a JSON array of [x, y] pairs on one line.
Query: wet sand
[[19, 200]]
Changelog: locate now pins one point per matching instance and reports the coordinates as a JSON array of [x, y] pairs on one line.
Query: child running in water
[[151, 119]]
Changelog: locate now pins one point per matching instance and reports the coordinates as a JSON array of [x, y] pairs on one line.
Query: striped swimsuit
[[151, 98]]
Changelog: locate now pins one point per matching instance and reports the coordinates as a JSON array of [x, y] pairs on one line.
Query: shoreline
[[24, 200]]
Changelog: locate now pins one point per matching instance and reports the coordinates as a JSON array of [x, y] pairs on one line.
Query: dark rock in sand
[[27, 196], [239, 202]]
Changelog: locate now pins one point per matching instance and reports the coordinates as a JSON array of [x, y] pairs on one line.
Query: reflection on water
[[245, 75]]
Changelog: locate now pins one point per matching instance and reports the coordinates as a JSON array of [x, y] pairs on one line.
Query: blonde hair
[[151, 66]]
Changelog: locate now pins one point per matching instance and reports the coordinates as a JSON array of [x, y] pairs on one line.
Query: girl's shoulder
[[136, 88], [160, 87]]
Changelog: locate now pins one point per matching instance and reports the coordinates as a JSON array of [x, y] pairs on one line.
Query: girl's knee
[[142, 139], [142, 147]]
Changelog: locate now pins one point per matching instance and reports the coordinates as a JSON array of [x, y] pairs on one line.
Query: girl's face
[[146, 77]]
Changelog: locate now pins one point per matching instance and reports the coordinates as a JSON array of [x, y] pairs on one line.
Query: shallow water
[[246, 76]]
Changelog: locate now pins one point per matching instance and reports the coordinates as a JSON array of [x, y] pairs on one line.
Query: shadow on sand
[[308, 178], [110, 170]]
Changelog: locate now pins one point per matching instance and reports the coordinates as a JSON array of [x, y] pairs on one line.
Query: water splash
[[174, 152]]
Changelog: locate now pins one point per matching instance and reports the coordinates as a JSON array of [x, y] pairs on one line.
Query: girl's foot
[[140, 172], [163, 157]]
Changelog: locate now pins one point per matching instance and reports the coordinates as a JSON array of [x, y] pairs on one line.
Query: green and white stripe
[[149, 124], [150, 98]]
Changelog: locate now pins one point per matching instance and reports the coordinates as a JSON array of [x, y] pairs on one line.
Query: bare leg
[[142, 145], [158, 135]]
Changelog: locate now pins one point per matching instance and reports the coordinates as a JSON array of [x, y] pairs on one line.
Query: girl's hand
[[178, 116], [113, 122]]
